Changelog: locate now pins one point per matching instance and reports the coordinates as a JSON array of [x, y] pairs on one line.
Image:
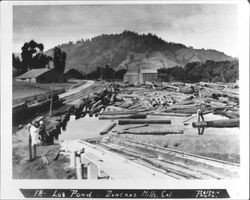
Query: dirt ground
[[24, 89], [23, 168]]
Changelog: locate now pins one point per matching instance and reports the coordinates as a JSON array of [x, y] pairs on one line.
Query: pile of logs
[[93, 105], [181, 99], [131, 105]]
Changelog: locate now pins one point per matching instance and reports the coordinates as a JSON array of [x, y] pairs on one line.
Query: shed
[[149, 75], [73, 73], [140, 76], [42, 75]]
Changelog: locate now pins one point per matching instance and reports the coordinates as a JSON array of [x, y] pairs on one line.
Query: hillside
[[129, 50]]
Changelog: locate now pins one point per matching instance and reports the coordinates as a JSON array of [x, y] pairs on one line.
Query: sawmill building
[[140, 76]]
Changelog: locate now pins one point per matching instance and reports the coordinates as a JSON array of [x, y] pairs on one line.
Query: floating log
[[187, 106], [183, 111], [204, 113], [211, 84], [166, 86], [134, 116], [230, 115], [133, 127], [143, 121], [185, 102], [217, 104], [186, 90], [171, 114], [95, 105], [222, 123], [119, 112], [108, 128], [98, 109], [115, 109], [154, 132]]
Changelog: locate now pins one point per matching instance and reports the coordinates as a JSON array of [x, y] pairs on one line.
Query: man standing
[[34, 136], [42, 132]]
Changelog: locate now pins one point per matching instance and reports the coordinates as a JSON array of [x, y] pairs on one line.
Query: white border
[[238, 189]]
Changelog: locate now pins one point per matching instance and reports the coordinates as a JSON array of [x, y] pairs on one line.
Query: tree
[[108, 72], [40, 60], [17, 65], [33, 56], [120, 73], [59, 60]]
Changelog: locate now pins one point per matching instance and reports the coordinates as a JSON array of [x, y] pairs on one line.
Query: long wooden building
[[42, 75]]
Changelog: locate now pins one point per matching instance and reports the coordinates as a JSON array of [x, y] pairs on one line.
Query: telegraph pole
[[51, 102]]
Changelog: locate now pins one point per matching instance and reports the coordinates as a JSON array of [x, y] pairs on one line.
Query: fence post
[[78, 167], [30, 148], [34, 148]]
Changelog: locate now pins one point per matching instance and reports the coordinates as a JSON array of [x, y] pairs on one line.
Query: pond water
[[90, 127], [83, 128]]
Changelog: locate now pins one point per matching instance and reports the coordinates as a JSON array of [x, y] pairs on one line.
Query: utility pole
[[51, 102]]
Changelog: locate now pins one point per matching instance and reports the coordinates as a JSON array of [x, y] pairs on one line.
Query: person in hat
[[34, 133], [42, 132]]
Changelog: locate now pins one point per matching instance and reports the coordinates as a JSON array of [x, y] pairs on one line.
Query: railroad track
[[177, 164]]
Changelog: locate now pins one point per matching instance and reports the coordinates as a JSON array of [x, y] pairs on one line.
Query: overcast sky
[[206, 26]]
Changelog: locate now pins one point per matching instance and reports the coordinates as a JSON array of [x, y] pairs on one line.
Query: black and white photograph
[[125, 91]]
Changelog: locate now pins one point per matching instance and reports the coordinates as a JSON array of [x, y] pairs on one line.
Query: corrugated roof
[[142, 71], [33, 73], [129, 73]]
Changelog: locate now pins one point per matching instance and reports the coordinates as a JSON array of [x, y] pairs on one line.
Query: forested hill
[[129, 50]]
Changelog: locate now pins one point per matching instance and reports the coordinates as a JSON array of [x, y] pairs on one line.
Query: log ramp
[[103, 164], [174, 163], [114, 157]]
